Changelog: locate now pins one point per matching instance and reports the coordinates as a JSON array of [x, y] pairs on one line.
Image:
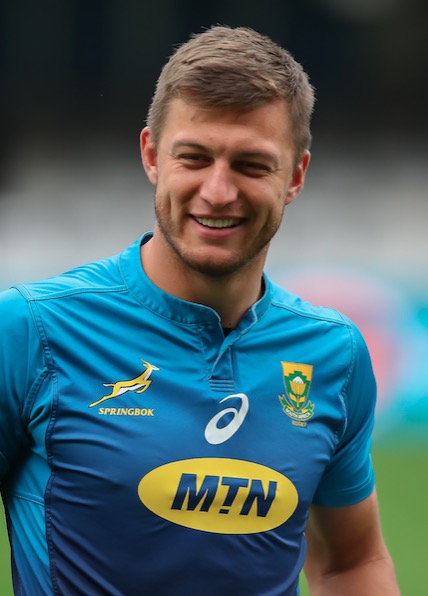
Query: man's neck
[[230, 296]]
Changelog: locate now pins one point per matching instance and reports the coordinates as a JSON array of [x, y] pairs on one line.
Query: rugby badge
[[297, 381], [138, 384]]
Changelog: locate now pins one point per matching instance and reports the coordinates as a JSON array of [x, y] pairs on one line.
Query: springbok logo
[[137, 385]]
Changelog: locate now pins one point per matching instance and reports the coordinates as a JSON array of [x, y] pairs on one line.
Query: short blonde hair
[[234, 68]]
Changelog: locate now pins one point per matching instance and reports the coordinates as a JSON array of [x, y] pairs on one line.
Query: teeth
[[216, 223]]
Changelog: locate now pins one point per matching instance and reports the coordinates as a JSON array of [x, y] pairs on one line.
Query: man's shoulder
[[330, 330], [97, 276], [296, 305]]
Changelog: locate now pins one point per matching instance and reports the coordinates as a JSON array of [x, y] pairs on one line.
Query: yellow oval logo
[[225, 496]]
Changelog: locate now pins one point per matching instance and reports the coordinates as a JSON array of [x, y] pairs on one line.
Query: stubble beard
[[212, 267]]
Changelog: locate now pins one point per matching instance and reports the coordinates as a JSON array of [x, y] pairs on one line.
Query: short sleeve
[[21, 366], [349, 478]]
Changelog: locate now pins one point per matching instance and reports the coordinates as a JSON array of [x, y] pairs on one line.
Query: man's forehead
[[270, 120], [200, 106]]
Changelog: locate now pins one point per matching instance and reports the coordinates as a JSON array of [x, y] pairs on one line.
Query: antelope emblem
[[138, 385]]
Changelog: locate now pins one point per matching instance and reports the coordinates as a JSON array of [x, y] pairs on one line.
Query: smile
[[209, 222]]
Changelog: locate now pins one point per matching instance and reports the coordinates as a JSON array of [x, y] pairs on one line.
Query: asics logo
[[215, 434]]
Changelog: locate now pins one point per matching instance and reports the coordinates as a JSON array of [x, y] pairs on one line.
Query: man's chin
[[213, 261], [212, 268], [219, 266]]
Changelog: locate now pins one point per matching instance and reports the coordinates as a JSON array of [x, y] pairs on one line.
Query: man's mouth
[[210, 222]]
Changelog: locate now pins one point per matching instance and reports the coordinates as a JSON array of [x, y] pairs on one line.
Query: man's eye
[[252, 167], [193, 157]]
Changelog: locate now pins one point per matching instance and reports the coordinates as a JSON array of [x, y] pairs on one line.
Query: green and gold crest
[[297, 382]]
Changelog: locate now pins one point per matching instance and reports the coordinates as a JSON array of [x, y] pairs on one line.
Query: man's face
[[222, 181]]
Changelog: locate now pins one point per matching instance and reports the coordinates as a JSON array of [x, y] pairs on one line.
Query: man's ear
[[298, 179], [148, 155]]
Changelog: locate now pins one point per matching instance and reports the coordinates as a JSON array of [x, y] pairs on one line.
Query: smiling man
[[172, 422]]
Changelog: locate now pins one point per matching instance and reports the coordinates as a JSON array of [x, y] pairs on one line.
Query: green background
[[402, 484]]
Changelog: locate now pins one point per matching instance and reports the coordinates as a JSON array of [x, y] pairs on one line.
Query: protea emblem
[[297, 382]]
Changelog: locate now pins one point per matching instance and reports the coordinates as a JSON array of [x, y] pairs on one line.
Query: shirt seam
[[328, 319]]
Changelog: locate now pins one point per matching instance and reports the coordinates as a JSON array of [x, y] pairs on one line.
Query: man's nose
[[218, 187]]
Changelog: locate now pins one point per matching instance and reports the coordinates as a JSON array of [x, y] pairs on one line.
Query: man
[[170, 417]]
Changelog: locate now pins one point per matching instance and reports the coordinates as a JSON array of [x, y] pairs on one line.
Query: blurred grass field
[[402, 484]]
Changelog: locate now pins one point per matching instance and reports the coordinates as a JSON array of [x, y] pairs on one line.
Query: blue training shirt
[[143, 452]]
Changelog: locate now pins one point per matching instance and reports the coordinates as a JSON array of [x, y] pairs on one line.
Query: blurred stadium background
[[76, 81]]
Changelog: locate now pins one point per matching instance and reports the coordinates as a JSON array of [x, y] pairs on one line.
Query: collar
[[173, 308]]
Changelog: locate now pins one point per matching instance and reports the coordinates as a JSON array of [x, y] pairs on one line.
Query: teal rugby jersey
[[143, 452]]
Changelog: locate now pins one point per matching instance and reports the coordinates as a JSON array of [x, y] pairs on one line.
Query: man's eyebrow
[[190, 144], [263, 155]]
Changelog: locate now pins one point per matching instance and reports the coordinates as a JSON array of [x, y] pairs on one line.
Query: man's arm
[[346, 552]]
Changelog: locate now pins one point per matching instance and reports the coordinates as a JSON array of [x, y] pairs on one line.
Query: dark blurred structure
[[80, 67]]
